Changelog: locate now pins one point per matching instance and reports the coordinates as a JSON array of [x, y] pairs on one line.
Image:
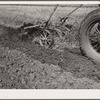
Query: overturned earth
[[25, 65]]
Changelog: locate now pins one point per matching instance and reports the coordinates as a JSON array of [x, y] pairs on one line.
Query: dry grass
[[16, 15], [13, 15]]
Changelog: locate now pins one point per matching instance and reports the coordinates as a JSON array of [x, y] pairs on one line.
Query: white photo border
[[49, 93]]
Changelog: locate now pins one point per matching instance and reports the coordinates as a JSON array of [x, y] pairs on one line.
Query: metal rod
[[51, 16], [71, 13]]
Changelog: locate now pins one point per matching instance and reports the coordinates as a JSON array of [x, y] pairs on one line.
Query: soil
[[25, 65]]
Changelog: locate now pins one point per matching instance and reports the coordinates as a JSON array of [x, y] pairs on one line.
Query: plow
[[89, 31], [46, 30]]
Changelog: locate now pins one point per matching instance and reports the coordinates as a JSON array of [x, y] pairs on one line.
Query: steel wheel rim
[[73, 22], [45, 39]]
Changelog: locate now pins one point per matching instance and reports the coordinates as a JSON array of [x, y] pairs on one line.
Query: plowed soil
[[25, 65]]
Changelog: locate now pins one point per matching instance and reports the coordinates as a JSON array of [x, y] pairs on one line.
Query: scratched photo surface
[[40, 47]]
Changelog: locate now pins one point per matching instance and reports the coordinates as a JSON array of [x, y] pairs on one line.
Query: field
[[25, 65]]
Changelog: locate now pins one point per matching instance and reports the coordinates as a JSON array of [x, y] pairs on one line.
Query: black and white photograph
[[50, 46]]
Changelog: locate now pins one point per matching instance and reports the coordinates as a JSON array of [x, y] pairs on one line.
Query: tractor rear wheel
[[90, 35]]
